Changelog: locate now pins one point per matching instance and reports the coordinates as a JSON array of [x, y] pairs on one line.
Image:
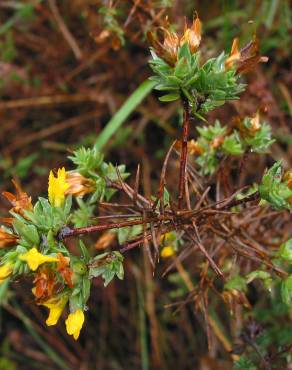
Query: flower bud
[[78, 184]]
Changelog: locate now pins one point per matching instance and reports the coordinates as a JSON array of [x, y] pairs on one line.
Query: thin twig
[[64, 30]]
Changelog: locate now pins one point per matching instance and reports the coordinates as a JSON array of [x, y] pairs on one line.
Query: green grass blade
[[123, 113]]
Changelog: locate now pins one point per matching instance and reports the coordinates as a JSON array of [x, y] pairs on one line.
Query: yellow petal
[[34, 259], [57, 187], [56, 307], [5, 271], [167, 251], [74, 323]]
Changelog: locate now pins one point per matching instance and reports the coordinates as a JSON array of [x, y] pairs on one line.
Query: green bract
[[47, 217], [274, 190], [89, 163], [205, 86], [285, 251], [261, 139]]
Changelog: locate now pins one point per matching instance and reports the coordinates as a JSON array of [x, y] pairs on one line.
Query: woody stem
[[184, 152], [67, 232]]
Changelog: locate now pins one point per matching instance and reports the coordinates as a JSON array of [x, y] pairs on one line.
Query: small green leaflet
[[107, 265]]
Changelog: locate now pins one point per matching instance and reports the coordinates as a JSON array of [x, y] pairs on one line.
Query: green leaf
[[286, 291], [169, 97], [127, 233], [232, 145], [84, 251], [263, 275], [211, 132], [181, 68], [244, 363], [67, 205], [86, 284], [184, 52], [81, 217], [285, 251], [76, 300], [237, 282], [258, 274], [4, 286], [261, 140], [87, 160], [273, 190], [29, 235]]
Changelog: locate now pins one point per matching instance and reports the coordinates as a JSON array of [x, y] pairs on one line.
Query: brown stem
[[66, 231], [184, 153], [237, 202]]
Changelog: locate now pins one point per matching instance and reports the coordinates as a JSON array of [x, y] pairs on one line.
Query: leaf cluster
[[205, 86], [90, 163], [214, 142], [107, 265]]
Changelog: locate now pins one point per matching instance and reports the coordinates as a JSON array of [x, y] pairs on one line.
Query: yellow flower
[[34, 259], [56, 307], [167, 240], [74, 323], [167, 251], [57, 187], [5, 271]]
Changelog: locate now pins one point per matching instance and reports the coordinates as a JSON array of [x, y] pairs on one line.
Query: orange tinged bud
[[192, 36], [78, 184], [194, 147], [234, 55], [7, 239], [255, 123], [217, 142], [245, 59], [44, 284], [105, 240], [20, 201], [63, 267], [168, 48], [288, 178]]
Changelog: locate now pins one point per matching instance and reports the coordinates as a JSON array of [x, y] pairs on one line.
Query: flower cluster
[[168, 49], [179, 72], [30, 243]]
